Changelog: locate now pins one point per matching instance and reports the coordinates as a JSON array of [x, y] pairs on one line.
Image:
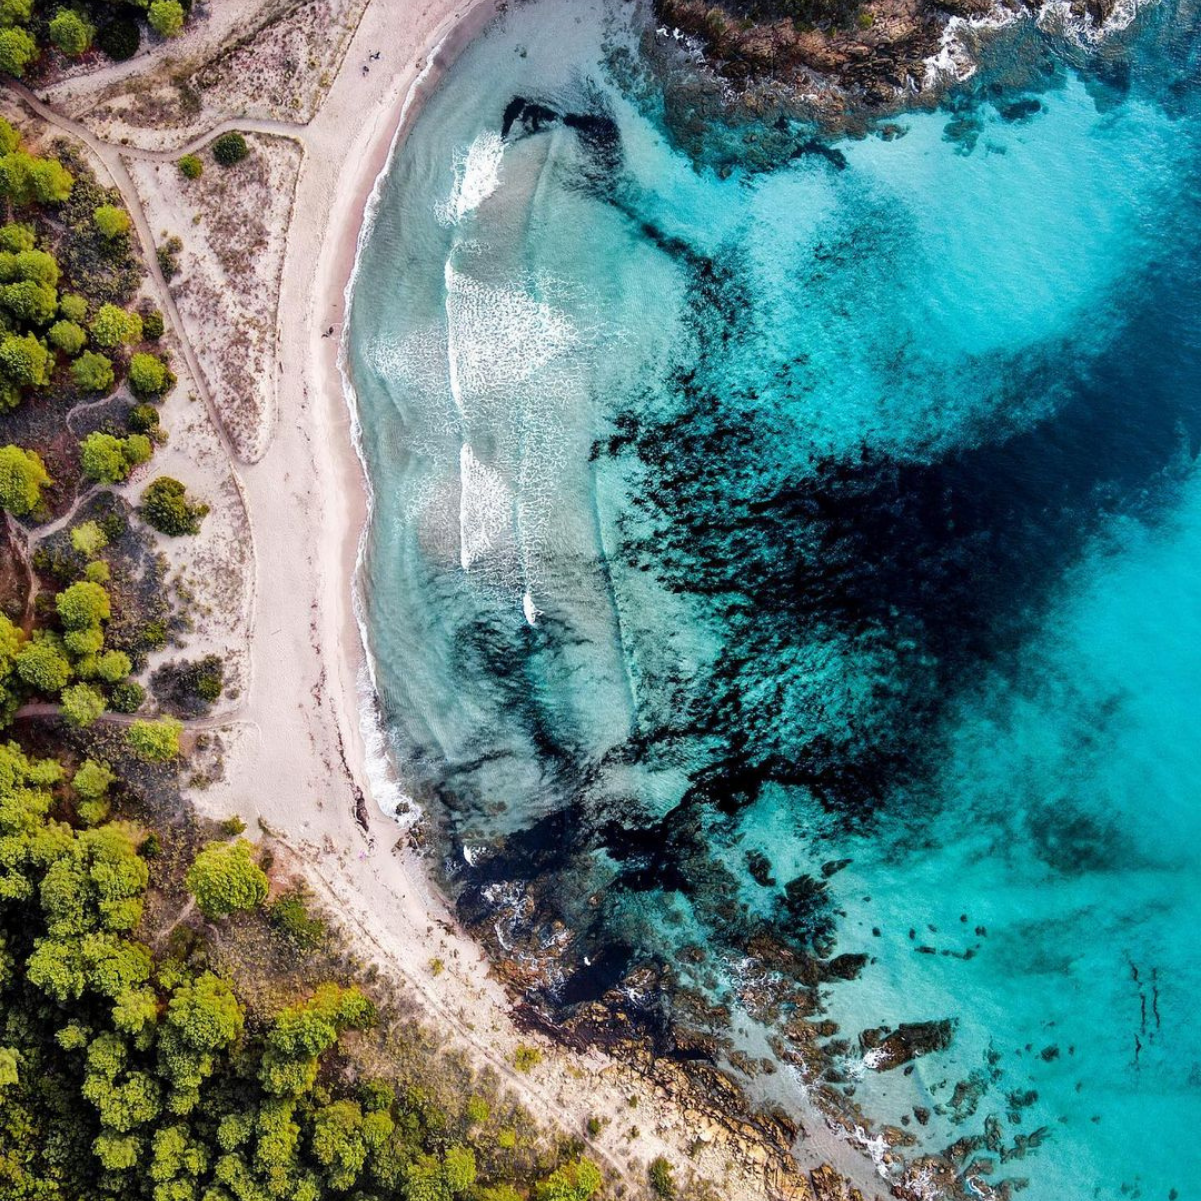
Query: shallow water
[[805, 563]]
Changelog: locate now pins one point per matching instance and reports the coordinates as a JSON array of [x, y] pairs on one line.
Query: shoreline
[[302, 770], [377, 770]]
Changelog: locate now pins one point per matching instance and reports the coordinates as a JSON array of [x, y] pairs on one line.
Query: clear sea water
[[810, 558]]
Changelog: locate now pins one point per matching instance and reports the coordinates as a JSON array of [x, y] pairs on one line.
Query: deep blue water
[[785, 584]]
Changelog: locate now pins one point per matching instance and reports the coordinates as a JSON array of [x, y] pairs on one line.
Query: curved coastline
[[378, 772], [355, 856], [394, 886]]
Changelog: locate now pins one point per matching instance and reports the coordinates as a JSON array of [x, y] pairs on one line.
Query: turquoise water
[[783, 583]]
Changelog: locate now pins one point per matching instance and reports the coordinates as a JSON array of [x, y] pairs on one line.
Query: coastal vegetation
[[32, 30]]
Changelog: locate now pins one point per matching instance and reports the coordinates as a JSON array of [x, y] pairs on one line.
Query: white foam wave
[[957, 60], [485, 507], [477, 176], [498, 337]]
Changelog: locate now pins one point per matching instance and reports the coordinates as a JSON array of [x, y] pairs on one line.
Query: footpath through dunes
[[295, 764]]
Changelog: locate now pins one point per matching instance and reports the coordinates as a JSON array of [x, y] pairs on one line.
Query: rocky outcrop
[[873, 53], [884, 1049]]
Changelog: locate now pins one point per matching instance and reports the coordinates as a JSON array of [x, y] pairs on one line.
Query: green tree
[[82, 704], [113, 666], [119, 39], [338, 1143], [575, 1181], [15, 237], [229, 149], [42, 665], [29, 301], [111, 221], [25, 179], [148, 375], [67, 337], [166, 507], [225, 878], [24, 360], [17, 51], [15, 12], [166, 17], [203, 1018], [83, 605], [71, 33], [93, 779], [302, 1033], [113, 325], [23, 475], [191, 166], [73, 308], [108, 459], [27, 263], [155, 741], [93, 373]]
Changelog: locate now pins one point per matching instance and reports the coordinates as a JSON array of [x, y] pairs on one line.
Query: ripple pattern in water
[[785, 585]]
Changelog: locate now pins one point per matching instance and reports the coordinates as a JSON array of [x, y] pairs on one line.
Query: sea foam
[[476, 177]]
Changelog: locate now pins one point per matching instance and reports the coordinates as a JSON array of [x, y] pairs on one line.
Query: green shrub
[[230, 149], [191, 166], [661, 1181], [168, 257], [23, 475], [291, 917], [82, 704], [17, 51], [152, 325], [73, 308], [113, 325], [143, 418], [119, 39], [166, 507], [225, 879], [111, 221], [526, 1058], [166, 17], [148, 375], [155, 741], [89, 539], [126, 697], [93, 373], [71, 33], [67, 337]]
